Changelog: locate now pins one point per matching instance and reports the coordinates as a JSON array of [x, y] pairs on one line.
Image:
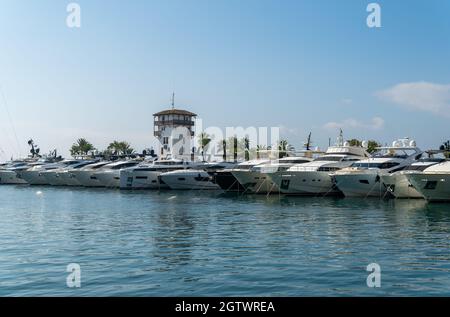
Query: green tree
[[120, 148], [81, 147], [354, 142], [260, 148], [283, 147], [204, 139], [235, 148], [247, 148], [372, 146], [224, 148], [446, 147]]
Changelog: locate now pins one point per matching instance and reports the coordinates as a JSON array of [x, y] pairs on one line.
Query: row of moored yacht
[[401, 170]]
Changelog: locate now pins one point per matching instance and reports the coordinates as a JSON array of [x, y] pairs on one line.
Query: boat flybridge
[[397, 183], [146, 175], [433, 183], [313, 178], [256, 179], [363, 178]]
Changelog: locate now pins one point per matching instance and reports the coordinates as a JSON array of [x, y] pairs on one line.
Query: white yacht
[[433, 183], [9, 173], [145, 176], [363, 178], [109, 175], [256, 179], [35, 175], [85, 175], [62, 176], [397, 183], [199, 178], [226, 180], [313, 178]]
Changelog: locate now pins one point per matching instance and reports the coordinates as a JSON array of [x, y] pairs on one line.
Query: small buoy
[[38, 193]]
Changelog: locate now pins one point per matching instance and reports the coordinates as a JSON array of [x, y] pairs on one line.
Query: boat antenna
[[340, 138], [173, 100]]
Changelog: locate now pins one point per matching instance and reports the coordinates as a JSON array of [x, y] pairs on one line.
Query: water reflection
[[204, 243]]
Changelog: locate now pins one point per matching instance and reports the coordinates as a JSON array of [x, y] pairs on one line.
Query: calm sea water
[[204, 244]]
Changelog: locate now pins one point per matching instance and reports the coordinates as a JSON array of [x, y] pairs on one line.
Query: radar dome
[[412, 143], [396, 143], [365, 144], [346, 143]]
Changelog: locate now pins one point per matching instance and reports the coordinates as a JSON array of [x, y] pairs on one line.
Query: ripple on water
[[202, 243]]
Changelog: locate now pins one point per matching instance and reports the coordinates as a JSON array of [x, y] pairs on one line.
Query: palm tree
[[372, 146], [126, 148], [81, 147], [203, 139], [120, 148], [446, 147], [247, 148], [224, 147], [235, 148], [260, 148], [354, 142], [283, 147]]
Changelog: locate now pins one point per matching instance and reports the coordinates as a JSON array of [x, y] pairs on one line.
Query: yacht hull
[[400, 187], [34, 177], [110, 179], [255, 182], [86, 178], [10, 178], [68, 179], [227, 181], [141, 180], [360, 185], [53, 178], [434, 187], [305, 183], [189, 180]]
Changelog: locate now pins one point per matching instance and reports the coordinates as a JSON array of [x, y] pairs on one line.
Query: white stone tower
[[174, 129]]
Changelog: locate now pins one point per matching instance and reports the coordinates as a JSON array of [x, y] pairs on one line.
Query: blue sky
[[301, 65]]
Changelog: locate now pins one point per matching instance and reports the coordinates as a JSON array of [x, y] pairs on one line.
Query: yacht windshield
[[168, 163], [329, 159], [385, 165], [297, 161]]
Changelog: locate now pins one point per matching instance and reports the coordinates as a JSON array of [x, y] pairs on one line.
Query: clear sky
[[302, 65]]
